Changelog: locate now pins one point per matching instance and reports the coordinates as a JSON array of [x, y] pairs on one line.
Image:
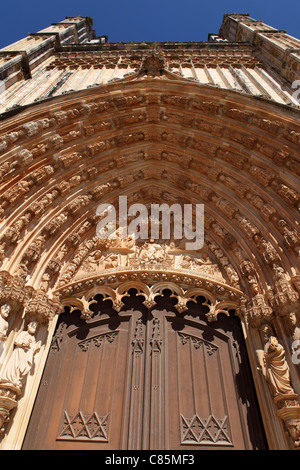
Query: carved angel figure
[[274, 366], [4, 312], [22, 358]]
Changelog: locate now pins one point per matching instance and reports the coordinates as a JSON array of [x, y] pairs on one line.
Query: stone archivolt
[[159, 140]]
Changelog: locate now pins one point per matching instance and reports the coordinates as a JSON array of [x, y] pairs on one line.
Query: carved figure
[[22, 358], [151, 253], [4, 312], [273, 365], [295, 339]]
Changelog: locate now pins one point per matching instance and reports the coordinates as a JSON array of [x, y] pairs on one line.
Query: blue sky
[[139, 20]]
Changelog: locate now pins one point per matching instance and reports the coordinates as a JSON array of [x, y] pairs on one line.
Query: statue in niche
[[281, 279], [295, 339], [4, 312], [45, 282], [273, 365], [22, 358]]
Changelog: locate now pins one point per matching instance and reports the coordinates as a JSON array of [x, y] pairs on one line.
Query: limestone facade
[[84, 121]]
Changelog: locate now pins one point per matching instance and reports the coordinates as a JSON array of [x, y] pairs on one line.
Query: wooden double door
[[145, 380]]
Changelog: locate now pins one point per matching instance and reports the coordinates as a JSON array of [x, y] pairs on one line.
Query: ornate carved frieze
[[215, 303]]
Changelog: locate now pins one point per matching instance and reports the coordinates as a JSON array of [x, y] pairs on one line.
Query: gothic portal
[[134, 342]]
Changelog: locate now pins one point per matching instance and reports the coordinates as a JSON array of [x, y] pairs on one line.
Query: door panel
[[202, 384], [81, 397], [145, 380]]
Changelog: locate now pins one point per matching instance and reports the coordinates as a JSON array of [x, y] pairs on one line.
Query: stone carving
[[214, 303], [34, 250], [13, 233], [54, 225], [258, 310], [22, 358], [127, 254], [247, 226], [283, 297], [151, 253], [4, 312], [268, 251], [43, 308], [18, 191], [273, 365], [13, 291], [97, 261], [295, 349], [291, 237], [16, 369], [201, 264], [153, 65], [38, 207]]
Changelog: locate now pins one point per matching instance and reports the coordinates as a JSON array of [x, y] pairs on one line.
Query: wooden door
[[145, 380]]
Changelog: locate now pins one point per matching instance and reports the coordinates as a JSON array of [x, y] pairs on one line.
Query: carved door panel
[[194, 398], [80, 403], [136, 380], [201, 383]]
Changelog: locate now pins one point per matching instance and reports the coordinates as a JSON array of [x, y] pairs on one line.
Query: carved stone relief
[[4, 312]]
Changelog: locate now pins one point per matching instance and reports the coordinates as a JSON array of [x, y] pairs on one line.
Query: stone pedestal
[[8, 401]]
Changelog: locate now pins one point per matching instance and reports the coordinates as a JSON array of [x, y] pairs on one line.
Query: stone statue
[[273, 365], [22, 358], [295, 339], [4, 312]]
